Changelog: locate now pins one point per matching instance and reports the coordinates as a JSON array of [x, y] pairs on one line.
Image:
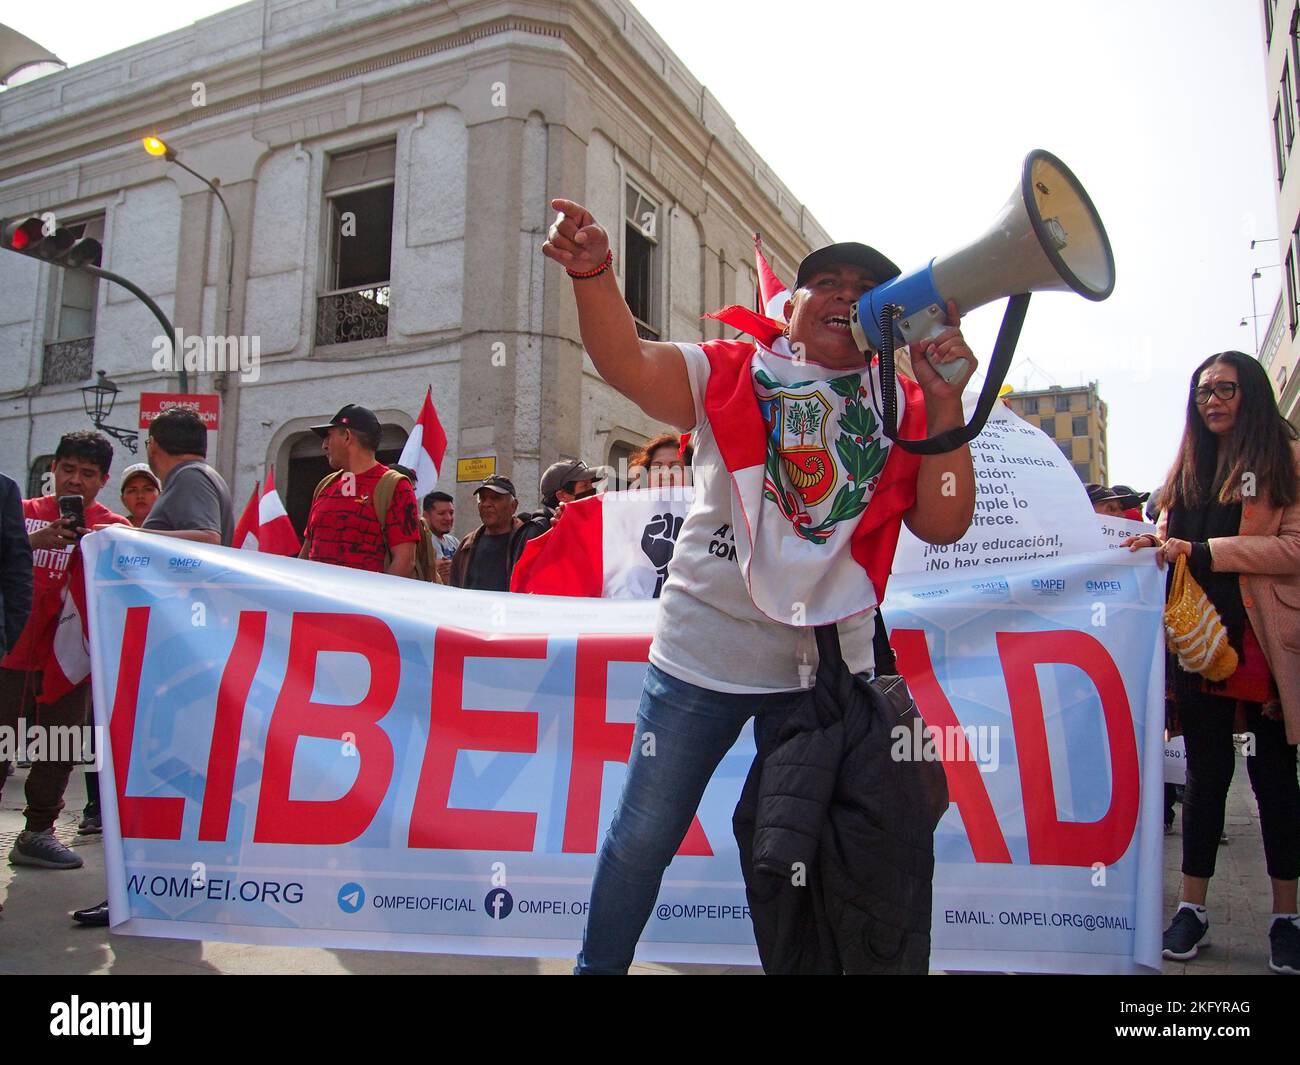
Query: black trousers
[[1207, 730]]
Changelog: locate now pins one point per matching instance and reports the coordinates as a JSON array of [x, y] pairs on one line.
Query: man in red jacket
[[80, 468]]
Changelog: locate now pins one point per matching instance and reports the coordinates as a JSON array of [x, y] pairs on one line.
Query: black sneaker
[[1284, 947], [90, 825], [1185, 935]]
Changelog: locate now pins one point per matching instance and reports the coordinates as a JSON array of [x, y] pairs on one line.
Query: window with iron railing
[[359, 217]]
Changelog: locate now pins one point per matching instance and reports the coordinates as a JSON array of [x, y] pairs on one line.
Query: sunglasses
[[1225, 390]]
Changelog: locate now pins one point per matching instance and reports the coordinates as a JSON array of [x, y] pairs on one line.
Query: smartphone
[[73, 507]]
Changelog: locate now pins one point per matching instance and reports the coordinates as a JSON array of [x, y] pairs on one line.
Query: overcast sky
[[904, 125]]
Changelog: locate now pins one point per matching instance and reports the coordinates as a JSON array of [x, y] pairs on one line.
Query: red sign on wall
[[152, 404]]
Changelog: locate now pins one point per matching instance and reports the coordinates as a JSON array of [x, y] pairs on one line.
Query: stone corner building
[[387, 166]]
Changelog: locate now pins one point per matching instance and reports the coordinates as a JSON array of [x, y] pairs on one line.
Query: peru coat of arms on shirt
[[803, 468]]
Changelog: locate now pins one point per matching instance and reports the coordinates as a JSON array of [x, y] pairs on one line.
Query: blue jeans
[[693, 728]]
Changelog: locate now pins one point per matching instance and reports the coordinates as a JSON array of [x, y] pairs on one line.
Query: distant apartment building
[[1277, 342], [1075, 418], [388, 167]]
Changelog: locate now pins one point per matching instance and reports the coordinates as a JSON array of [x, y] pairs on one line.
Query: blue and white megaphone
[[1047, 237]]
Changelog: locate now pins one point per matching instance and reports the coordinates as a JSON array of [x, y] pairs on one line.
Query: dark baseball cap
[[1099, 493], [852, 253], [1128, 496], [496, 483], [351, 417], [563, 473]]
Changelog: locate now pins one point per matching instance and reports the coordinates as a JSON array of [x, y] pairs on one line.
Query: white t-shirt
[[709, 631]]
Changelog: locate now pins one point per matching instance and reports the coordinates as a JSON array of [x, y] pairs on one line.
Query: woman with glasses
[[1231, 505]]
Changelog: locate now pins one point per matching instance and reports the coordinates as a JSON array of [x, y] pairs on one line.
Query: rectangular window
[[1279, 142], [1295, 42], [1048, 425], [1067, 448], [1080, 426], [1081, 468], [1062, 403], [641, 261], [1288, 105], [1293, 284], [359, 216], [70, 350]]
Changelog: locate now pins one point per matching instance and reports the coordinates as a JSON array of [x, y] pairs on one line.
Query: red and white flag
[[425, 448], [617, 545], [265, 526], [68, 663], [772, 291]]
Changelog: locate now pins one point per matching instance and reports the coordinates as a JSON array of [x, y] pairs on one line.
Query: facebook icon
[[498, 904]]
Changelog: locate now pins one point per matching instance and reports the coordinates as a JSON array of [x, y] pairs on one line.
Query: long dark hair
[[1258, 457]]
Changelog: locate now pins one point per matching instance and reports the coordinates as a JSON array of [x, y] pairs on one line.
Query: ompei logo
[[994, 586], [351, 898], [1048, 585], [498, 903], [1098, 587]]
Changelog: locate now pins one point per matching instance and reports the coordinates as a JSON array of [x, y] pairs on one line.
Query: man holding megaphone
[[798, 503]]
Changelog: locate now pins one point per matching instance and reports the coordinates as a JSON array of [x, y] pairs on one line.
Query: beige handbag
[[1193, 629]]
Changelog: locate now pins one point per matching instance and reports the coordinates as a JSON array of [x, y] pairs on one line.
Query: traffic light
[[58, 245]]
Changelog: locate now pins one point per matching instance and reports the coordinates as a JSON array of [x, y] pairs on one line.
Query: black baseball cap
[[1129, 497], [351, 417], [1099, 493], [564, 473], [878, 266], [496, 483]]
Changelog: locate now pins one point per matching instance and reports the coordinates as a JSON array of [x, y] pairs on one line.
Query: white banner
[[303, 754], [1029, 504]]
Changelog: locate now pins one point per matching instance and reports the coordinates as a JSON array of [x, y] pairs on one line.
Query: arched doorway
[[307, 465]]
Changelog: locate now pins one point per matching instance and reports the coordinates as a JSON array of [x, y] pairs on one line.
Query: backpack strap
[[321, 485], [383, 499]]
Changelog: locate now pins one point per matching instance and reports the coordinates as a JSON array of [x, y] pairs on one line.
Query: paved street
[[37, 935]]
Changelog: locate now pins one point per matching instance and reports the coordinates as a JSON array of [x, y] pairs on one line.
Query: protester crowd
[[1230, 507]]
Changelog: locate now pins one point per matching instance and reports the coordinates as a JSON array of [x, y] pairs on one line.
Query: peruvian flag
[[425, 448], [68, 663], [265, 526], [772, 291], [617, 545]]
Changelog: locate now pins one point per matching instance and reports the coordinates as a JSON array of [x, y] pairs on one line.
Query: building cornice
[[697, 141]]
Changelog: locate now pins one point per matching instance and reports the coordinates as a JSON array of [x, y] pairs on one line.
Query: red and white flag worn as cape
[[68, 663], [808, 466], [617, 545]]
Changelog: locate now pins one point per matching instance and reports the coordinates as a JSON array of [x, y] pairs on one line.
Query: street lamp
[[98, 400], [160, 149], [1254, 312]]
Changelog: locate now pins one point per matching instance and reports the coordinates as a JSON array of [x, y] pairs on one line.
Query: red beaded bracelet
[[609, 261]]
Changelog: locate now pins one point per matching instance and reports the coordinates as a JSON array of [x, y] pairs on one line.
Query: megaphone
[[1047, 237]]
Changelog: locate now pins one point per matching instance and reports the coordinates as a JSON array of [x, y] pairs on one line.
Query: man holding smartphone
[[55, 522]]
